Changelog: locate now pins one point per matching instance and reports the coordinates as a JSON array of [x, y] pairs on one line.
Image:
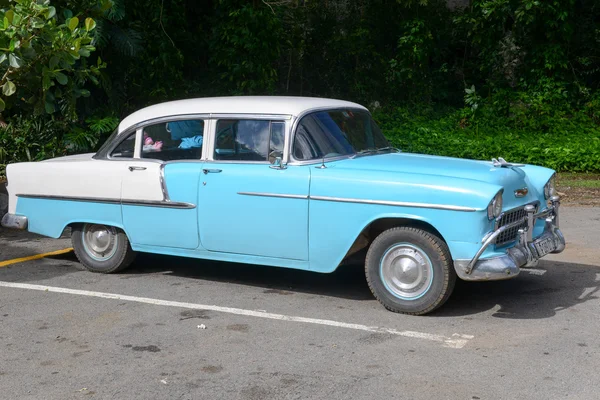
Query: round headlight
[[495, 207], [550, 188]]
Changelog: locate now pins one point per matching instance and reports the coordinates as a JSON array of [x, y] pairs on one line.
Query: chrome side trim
[[278, 195], [163, 184], [143, 203], [71, 198], [361, 201], [161, 204], [396, 203]]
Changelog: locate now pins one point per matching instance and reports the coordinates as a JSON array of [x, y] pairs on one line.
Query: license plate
[[544, 246]]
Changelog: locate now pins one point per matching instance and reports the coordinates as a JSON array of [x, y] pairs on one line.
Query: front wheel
[[101, 248], [409, 270]]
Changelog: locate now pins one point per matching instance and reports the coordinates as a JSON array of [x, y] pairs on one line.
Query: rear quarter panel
[[68, 178]]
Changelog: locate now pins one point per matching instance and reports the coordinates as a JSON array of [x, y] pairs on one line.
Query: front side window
[[249, 140], [126, 148], [174, 140], [336, 133]]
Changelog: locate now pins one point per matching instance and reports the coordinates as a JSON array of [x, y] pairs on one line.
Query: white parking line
[[534, 271], [456, 341]]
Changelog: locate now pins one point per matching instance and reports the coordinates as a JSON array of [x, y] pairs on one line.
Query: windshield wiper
[[373, 151], [388, 148], [363, 152]]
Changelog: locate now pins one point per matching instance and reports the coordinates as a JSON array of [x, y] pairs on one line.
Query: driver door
[[247, 205]]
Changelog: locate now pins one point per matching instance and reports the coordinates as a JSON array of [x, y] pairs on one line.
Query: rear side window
[[174, 140], [126, 148], [249, 140]]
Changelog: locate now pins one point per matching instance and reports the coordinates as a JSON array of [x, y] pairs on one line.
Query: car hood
[[510, 179], [434, 165]]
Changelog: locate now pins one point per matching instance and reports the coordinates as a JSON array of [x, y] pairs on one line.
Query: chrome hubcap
[[406, 271], [100, 241]]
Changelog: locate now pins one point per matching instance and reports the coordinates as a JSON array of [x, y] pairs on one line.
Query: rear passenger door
[[159, 192], [248, 205]]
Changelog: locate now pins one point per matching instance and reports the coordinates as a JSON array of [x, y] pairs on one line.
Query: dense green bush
[[36, 138], [566, 144], [30, 139], [527, 71]]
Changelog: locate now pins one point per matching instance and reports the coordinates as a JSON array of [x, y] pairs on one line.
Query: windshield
[[335, 133]]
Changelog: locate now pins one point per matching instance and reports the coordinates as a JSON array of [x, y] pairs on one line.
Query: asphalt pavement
[[174, 328]]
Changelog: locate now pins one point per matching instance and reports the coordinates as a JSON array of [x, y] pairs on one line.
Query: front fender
[[435, 190], [340, 210], [333, 229], [537, 177]]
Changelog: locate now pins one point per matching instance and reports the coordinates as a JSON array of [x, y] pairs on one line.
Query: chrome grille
[[509, 217]]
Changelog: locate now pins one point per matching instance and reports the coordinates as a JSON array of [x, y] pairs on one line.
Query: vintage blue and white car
[[290, 182]]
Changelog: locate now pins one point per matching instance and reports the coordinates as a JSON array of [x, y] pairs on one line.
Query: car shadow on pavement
[[347, 282], [535, 294], [540, 293]]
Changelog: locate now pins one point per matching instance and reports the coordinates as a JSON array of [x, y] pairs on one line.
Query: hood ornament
[[502, 163]]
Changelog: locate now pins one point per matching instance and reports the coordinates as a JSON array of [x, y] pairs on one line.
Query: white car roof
[[274, 105]]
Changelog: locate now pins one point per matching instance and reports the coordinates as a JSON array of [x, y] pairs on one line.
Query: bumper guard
[[13, 221], [524, 254]]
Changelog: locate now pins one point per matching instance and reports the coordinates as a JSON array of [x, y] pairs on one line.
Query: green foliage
[[35, 138], [102, 125], [43, 58], [572, 143], [517, 78], [245, 46], [28, 138], [472, 99]]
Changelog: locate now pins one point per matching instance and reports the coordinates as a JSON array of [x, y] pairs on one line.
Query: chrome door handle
[[211, 171], [137, 168]]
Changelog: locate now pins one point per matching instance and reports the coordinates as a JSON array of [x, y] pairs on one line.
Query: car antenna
[[322, 166]]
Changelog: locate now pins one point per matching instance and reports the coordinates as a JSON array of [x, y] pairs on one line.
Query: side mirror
[[277, 164]]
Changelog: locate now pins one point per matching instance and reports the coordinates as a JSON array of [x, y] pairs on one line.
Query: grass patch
[[590, 181], [579, 189]]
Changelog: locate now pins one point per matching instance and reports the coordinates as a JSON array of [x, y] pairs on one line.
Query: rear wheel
[[409, 270], [101, 248]]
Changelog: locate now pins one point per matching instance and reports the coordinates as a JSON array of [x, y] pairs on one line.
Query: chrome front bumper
[[13, 221], [524, 254]]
